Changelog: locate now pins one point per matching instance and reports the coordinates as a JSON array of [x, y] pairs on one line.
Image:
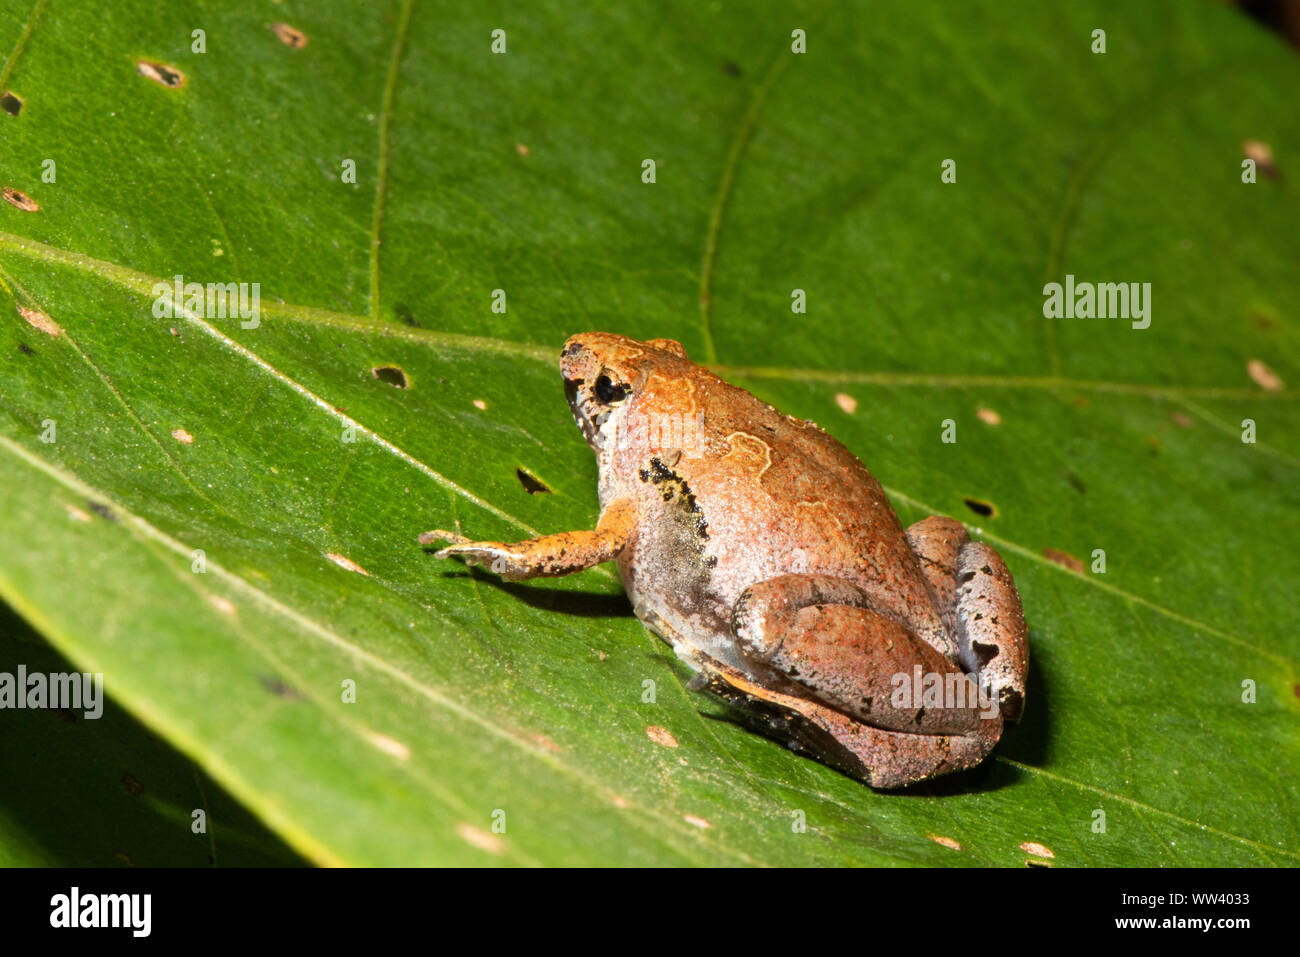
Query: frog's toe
[[470, 551], [438, 535]]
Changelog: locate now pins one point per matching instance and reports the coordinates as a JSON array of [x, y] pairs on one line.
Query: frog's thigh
[[820, 632], [991, 631]]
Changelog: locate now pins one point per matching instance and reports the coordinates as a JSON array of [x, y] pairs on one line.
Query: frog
[[770, 560]]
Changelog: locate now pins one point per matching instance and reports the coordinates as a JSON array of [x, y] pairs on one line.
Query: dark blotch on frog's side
[[671, 485]]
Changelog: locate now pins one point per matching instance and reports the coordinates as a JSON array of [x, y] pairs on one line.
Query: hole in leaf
[[980, 507], [161, 73], [390, 374], [11, 103], [531, 483]]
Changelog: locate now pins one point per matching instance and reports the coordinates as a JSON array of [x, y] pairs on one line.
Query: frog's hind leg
[[881, 758], [823, 635]]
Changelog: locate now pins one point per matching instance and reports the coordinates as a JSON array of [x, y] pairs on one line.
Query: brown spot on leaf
[[660, 736], [19, 200], [699, 822], [980, 507], [277, 687], [1264, 377], [161, 73], [479, 838], [1181, 419], [1031, 847], [41, 321], [388, 745], [1063, 558], [945, 841], [133, 787], [480, 405], [344, 562], [289, 36], [180, 435], [521, 149], [846, 402], [1262, 154], [988, 416], [102, 510], [11, 103]]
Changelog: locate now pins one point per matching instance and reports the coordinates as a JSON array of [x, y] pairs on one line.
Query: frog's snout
[[572, 357]]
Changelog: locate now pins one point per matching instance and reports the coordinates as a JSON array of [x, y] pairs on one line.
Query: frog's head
[[602, 374]]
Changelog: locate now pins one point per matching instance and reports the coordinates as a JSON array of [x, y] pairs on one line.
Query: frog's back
[[765, 494]]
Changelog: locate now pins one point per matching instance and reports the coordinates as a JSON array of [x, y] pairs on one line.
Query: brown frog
[[769, 558]]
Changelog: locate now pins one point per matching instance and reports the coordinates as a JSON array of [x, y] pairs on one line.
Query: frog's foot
[[991, 629], [979, 602], [880, 757], [497, 557], [822, 633]]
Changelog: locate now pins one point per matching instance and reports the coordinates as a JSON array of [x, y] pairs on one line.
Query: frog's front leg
[[550, 555], [824, 634], [978, 600]]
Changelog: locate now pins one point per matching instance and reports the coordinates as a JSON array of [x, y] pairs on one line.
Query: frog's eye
[[608, 392]]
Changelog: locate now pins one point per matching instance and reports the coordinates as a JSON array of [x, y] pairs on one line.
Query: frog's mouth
[[586, 412]]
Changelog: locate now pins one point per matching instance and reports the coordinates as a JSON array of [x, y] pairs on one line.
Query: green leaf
[[478, 702]]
